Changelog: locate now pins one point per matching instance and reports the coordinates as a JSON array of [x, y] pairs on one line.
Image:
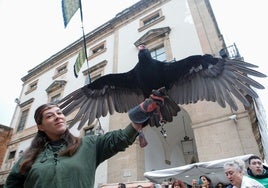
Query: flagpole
[[84, 38], [101, 131]]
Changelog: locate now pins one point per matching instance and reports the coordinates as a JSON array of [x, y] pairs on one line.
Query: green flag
[[80, 60], [69, 8]]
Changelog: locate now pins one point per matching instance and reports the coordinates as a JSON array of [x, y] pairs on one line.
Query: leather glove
[[156, 109], [168, 108], [141, 114]]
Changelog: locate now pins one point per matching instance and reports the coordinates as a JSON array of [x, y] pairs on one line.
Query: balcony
[[230, 52]]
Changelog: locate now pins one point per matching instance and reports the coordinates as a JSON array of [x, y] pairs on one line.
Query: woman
[[57, 159], [177, 184], [203, 182], [235, 170]]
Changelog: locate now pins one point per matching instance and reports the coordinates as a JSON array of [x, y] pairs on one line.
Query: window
[[23, 119], [55, 89], [158, 42], [55, 98], [31, 87], [159, 53], [21, 153], [91, 78], [94, 72], [60, 70], [25, 108], [151, 20], [11, 155], [97, 50]]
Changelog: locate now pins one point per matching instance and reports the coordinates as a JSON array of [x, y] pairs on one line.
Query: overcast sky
[[33, 30]]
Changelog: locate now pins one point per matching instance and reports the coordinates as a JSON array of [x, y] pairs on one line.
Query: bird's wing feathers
[[187, 81], [109, 93], [213, 79]]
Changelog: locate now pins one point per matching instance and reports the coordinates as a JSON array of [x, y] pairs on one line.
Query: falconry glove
[[155, 110], [142, 113]]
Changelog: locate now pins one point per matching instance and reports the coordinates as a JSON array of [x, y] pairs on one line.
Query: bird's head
[[144, 54]]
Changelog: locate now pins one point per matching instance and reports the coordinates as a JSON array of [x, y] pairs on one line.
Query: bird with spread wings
[[189, 80]]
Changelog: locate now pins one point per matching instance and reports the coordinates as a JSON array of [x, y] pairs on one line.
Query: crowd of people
[[238, 176], [235, 172], [255, 176]]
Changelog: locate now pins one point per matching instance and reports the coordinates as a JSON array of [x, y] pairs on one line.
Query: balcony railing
[[230, 52]]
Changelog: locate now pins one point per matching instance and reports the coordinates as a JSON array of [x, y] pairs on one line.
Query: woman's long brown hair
[[40, 140]]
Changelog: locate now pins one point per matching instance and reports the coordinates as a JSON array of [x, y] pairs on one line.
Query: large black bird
[[197, 77]]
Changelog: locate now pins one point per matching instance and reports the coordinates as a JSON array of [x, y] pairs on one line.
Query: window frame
[[56, 97], [151, 19], [13, 152], [97, 50], [155, 38], [59, 72], [95, 71], [160, 46], [56, 88], [23, 119], [31, 87]]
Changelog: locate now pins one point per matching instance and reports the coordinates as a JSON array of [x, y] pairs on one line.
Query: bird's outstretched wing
[[213, 79], [109, 93], [186, 81]]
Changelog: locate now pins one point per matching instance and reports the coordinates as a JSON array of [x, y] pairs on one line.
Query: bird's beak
[[141, 47]]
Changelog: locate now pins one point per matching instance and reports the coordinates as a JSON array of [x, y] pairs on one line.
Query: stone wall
[[5, 136]]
